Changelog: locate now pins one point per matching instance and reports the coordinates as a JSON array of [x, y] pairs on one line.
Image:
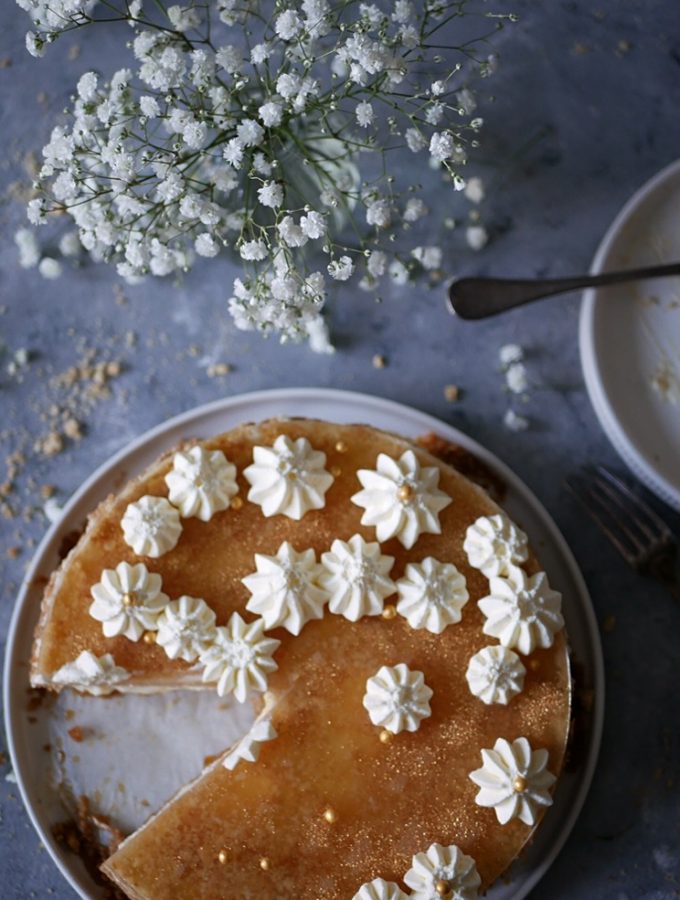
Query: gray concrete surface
[[586, 109]]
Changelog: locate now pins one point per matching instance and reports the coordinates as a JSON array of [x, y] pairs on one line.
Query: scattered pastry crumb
[[379, 361], [452, 393], [72, 429], [76, 734], [217, 370], [50, 444], [514, 421], [666, 382]]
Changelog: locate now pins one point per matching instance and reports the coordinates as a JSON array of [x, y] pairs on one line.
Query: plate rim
[[362, 401], [633, 456]]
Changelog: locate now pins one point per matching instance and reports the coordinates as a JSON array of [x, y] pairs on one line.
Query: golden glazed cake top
[[333, 800]]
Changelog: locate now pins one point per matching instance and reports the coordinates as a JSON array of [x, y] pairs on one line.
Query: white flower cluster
[[212, 141]]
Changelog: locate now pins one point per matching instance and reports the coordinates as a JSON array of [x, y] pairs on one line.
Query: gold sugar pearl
[[341, 447], [336, 471], [534, 664], [222, 857], [519, 784], [385, 736], [330, 815], [149, 637], [405, 492], [128, 599], [264, 864], [442, 888], [236, 503], [389, 612]]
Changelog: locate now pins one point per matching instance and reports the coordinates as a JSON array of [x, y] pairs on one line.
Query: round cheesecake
[[403, 648]]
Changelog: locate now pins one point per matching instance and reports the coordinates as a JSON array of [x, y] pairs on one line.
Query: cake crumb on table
[[379, 361], [50, 444], [452, 393], [217, 370], [72, 429]]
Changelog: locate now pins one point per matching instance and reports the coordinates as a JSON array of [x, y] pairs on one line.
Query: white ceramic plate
[[114, 741], [630, 338]]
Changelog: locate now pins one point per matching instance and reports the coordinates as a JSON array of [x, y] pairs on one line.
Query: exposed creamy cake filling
[[363, 637], [91, 674]]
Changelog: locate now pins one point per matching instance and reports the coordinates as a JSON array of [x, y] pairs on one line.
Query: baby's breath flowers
[[271, 129]]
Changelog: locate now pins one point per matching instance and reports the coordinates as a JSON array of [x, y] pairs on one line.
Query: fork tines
[[636, 531]]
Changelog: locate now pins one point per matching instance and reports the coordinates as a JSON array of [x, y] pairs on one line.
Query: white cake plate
[[138, 750]]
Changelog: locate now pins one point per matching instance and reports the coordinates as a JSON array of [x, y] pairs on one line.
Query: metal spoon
[[478, 298]]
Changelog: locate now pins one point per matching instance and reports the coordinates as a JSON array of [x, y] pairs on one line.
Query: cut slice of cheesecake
[[322, 800]]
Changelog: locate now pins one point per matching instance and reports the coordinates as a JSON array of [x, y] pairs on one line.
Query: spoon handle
[[478, 298]]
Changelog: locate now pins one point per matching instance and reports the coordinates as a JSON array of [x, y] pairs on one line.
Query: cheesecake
[[402, 647]]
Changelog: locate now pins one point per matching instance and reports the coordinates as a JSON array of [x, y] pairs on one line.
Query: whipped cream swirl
[[289, 478], [186, 627], [401, 498], [379, 889], [285, 590], [443, 864], [514, 780], [239, 658], [248, 748], [522, 611], [92, 674], [356, 577], [151, 526], [495, 675], [201, 482], [431, 595], [128, 601], [494, 543], [397, 698]]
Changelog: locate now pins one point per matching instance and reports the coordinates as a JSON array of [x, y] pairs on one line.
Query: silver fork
[[641, 536]]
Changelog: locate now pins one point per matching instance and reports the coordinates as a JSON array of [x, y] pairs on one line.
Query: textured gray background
[[586, 109]]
